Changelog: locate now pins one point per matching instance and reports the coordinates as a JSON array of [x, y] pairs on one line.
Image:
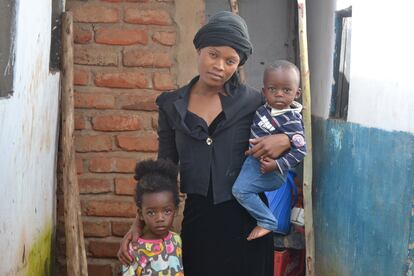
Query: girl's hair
[[155, 176]]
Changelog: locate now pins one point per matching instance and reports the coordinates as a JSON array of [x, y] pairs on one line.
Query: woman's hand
[[132, 235], [271, 146]]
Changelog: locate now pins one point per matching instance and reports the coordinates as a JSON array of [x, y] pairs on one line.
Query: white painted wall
[[28, 139], [382, 57], [320, 21], [381, 93]]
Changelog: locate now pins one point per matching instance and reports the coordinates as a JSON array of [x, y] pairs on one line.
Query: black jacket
[[224, 156]]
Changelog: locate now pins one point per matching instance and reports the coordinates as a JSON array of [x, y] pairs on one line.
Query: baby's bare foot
[[257, 232]]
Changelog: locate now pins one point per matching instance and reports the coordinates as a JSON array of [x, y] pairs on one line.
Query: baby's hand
[[267, 165]]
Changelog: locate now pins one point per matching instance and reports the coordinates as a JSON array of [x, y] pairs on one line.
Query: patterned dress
[[161, 257]]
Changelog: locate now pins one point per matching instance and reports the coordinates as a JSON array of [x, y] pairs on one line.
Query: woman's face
[[216, 64]]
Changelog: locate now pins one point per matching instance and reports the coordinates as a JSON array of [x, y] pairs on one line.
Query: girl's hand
[[132, 235], [267, 165], [269, 146]]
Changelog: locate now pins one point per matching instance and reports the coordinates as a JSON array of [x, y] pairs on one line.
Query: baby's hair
[[281, 64], [155, 176]]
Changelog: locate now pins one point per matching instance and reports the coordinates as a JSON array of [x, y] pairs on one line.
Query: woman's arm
[[269, 146], [132, 235]]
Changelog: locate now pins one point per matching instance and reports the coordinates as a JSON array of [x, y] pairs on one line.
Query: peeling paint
[[358, 196], [337, 135]]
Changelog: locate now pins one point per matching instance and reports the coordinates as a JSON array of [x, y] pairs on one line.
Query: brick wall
[[124, 57]]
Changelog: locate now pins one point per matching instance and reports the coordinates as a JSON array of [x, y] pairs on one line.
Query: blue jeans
[[249, 183]]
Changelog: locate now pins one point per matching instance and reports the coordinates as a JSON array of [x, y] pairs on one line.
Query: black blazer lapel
[[181, 105]]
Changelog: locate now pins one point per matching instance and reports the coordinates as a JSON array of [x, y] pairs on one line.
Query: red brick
[[109, 207], [147, 17], [122, 80], [96, 228], [82, 35], [137, 57], [80, 77], [116, 123], [154, 122], [121, 36], [113, 164], [125, 186], [125, 165], [103, 249], [162, 81], [120, 228], [137, 102], [94, 185], [94, 100], [145, 143], [79, 166], [95, 56], [100, 165], [88, 143], [99, 270], [79, 122], [95, 14], [164, 38]]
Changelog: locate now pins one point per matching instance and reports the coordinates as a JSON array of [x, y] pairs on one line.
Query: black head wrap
[[225, 29]]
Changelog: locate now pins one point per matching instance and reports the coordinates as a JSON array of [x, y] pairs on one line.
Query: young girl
[[158, 250]]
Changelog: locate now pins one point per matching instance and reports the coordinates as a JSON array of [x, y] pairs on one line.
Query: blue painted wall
[[363, 197]]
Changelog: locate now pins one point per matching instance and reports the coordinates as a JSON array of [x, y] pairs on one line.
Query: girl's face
[[158, 212], [217, 64]]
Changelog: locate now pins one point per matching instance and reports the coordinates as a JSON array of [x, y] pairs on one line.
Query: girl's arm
[[269, 146]]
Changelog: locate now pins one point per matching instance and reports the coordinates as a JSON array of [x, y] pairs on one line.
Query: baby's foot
[[257, 232]]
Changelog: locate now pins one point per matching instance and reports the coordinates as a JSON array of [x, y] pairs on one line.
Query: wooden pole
[[75, 247], [307, 170], [234, 7]]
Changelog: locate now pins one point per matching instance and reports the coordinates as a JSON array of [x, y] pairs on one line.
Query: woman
[[205, 127]]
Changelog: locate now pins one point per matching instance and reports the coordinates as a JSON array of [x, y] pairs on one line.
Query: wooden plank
[[234, 7], [307, 168], [75, 247]]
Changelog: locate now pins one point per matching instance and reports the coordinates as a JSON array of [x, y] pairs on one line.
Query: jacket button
[[209, 141]]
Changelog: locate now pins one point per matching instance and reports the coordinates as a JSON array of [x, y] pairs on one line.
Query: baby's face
[[281, 88]]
